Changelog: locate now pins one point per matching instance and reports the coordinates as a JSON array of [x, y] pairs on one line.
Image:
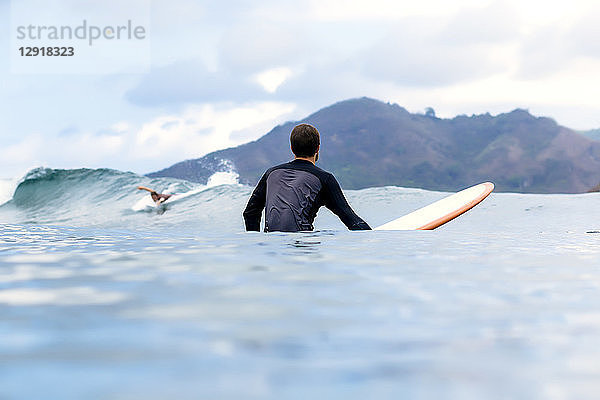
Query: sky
[[215, 74]]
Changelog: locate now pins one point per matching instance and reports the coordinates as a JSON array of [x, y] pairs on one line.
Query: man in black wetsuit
[[293, 192]]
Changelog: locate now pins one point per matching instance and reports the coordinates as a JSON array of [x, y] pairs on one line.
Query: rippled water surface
[[501, 303]]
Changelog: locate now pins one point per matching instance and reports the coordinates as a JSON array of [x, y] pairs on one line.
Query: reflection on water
[[305, 243]]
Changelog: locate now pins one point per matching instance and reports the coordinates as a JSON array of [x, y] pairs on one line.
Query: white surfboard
[[442, 211]]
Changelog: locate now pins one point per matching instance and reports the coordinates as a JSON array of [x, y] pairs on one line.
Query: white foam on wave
[[223, 178], [9, 185], [217, 179], [144, 203]]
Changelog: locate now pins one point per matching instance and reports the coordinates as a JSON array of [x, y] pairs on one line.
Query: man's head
[[305, 141]]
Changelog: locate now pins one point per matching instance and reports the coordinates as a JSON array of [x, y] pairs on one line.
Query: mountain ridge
[[366, 142]]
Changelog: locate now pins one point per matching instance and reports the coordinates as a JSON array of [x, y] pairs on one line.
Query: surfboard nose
[[442, 211]]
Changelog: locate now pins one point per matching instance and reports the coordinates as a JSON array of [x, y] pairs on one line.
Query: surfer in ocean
[[158, 198], [292, 193]]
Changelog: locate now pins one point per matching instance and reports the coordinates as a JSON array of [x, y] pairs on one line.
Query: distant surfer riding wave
[[158, 198]]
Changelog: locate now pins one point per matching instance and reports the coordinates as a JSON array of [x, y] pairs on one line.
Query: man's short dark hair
[[305, 140]]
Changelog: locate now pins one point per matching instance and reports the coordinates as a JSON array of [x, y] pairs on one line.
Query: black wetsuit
[[292, 193]]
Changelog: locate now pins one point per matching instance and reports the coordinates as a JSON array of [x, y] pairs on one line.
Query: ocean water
[[104, 296]]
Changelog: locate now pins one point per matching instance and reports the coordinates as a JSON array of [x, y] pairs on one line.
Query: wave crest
[[100, 196]]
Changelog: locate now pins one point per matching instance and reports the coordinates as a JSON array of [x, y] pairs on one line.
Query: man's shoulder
[[323, 175], [278, 166], [326, 175]]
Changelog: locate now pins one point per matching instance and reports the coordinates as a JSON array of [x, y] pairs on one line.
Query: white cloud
[[120, 127], [190, 82], [156, 144], [255, 46], [59, 151], [16, 153], [411, 56], [498, 22], [561, 96], [202, 129], [537, 14], [271, 79], [341, 10]]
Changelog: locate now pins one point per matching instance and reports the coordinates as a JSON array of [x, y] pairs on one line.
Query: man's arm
[[255, 206], [155, 196], [336, 202]]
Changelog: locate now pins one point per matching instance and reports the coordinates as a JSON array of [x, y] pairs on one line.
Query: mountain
[[366, 142], [593, 134], [595, 189]]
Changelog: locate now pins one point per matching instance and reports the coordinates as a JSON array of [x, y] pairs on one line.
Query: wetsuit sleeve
[[255, 205], [336, 202]]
